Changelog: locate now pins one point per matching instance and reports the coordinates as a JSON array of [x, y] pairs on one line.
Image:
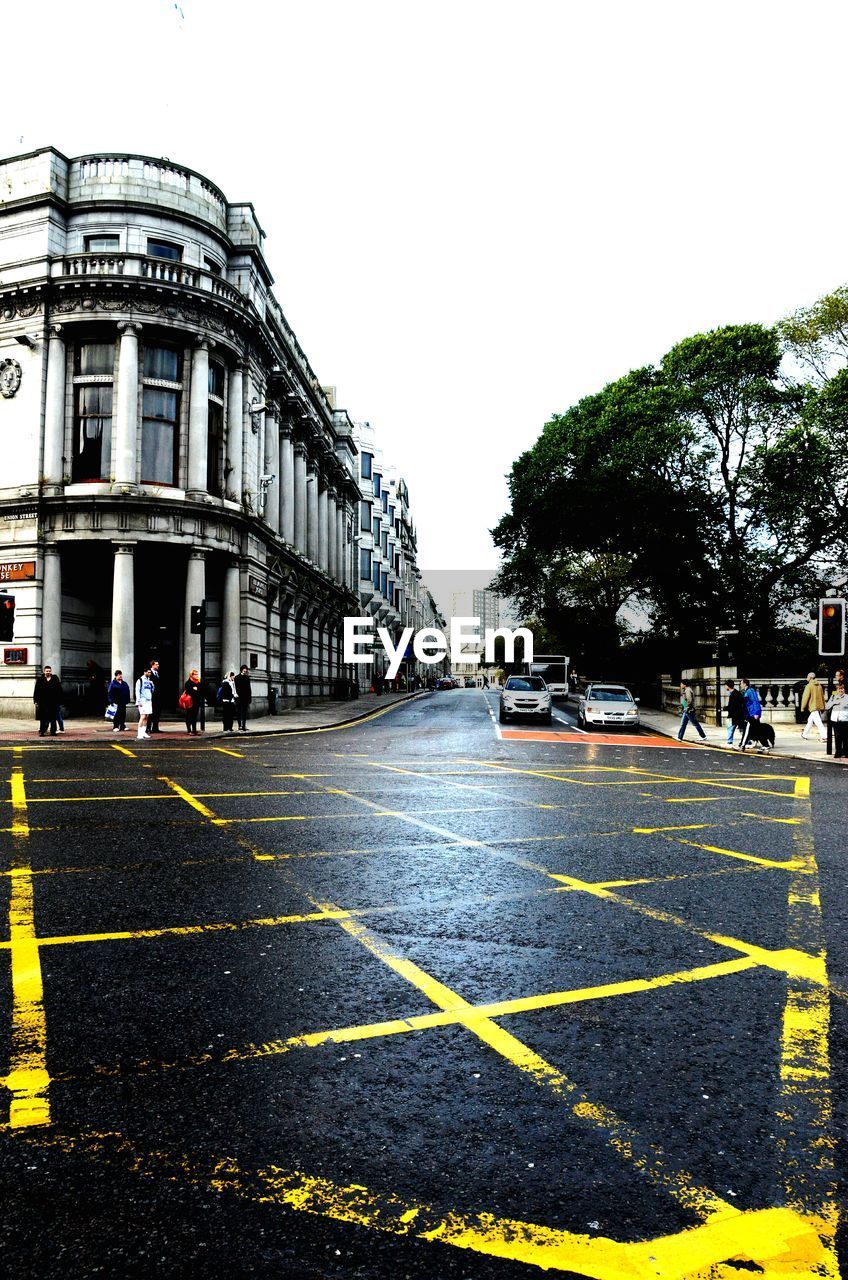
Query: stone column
[[287, 484], [54, 409], [300, 487], [51, 609], [195, 593], [323, 513], [312, 514], [126, 410], [123, 612], [271, 511], [198, 418], [235, 433], [231, 620]]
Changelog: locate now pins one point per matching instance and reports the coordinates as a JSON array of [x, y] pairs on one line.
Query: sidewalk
[[327, 714], [787, 737]]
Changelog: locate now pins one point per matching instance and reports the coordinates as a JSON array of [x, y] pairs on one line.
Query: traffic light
[[831, 627], [7, 617], [198, 618]]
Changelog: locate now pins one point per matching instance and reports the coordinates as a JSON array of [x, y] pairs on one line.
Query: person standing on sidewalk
[[812, 700], [228, 699], [837, 709], [735, 712], [687, 703], [119, 693], [47, 696], [753, 712], [193, 691], [243, 693], [153, 726], [144, 702]]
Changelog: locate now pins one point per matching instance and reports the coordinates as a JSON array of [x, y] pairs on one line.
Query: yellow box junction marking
[[27, 1079]]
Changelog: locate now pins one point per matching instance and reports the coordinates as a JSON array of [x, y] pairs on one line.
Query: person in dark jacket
[[243, 694], [736, 714], [227, 699], [194, 690], [119, 693], [153, 723], [47, 695]]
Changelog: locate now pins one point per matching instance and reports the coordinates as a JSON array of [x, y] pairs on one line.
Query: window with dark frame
[[364, 562], [365, 517], [375, 529], [164, 249], [365, 465], [377, 479], [160, 421], [376, 578], [94, 369], [213, 267], [102, 244]]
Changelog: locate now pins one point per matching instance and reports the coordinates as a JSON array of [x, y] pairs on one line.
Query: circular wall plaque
[[10, 378]]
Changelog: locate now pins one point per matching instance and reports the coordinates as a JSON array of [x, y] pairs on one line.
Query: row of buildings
[[167, 444]]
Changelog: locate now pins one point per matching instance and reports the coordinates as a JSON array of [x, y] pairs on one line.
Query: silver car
[[525, 696], [608, 704]]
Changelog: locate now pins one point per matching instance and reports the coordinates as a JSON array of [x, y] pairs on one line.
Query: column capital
[[202, 343], [197, 553], [124, 546], [56, 330], [300, 449], [130, 327]]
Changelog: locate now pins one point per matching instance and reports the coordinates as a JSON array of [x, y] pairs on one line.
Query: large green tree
[[675, 491]]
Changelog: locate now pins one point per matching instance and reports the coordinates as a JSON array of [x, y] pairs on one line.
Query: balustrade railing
[[148, 268]]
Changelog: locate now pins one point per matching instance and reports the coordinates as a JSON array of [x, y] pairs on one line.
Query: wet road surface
[[411, 998]]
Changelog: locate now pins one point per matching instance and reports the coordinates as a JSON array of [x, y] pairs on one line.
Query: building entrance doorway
[[159, 581]]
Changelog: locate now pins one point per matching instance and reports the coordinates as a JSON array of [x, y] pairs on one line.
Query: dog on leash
[[760, 734]]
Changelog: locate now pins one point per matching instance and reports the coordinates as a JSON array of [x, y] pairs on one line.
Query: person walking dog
[[119, 694], [753, 712], [812, 700], [736, 718], [690, 715], [243, 693]]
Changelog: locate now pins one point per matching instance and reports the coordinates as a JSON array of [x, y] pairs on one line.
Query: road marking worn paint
[[650, 779], [181, 931], [624, 1140], [793, 864], [776, 1242], [28, 1079], [187, 796], [125, 751], [225, 752]]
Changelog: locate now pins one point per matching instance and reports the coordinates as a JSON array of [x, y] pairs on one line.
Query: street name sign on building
[[15, 657], [17, 570]]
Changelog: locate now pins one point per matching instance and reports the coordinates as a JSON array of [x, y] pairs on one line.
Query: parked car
[[445, 682], [525, 696], [470, 682], [607, 704]]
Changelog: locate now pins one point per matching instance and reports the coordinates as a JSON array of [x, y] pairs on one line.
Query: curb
[[336, 724], [774, 754]]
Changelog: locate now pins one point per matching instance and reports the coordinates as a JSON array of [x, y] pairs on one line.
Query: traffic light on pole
[[198, 619], [831, 627], [7, 617]]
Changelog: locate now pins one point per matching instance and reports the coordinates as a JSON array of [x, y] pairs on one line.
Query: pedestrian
[[153, 726], [687, 705], [144, 702], [736, 717], [47, 695], [485, 681], [753, 712], [812, 700], [191, 699], [119, 694], [227, 697], [837, 709], [243, 694]]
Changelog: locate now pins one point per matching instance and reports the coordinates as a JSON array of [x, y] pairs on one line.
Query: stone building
[[165, 440]]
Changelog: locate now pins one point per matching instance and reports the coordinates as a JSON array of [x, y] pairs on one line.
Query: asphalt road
[[412, 999]]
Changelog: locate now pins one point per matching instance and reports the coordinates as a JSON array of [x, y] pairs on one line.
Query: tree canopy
[[685, 496]]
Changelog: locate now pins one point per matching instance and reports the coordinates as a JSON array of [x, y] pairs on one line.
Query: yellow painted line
[[649, 778], [27, 1079], [764, 817], [791, 865], [689, 826], [621, 1137], [802, 786], [125, 751], [187, 796], [300, 775], [224, 752], [94, 799], [776, 1242], [181, 931]]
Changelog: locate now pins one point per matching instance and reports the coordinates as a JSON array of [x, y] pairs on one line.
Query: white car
[[525, 696], [608, 704]]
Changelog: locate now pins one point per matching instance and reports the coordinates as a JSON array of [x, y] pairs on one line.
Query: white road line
[[491, 713], [575, 727]]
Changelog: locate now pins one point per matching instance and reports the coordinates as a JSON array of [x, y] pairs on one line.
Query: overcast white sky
[[477, 211]]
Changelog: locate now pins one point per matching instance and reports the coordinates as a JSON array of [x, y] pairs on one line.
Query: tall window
[[385, 542], [384, 585], [94, 368], [386, 501], [376, 578], [377, 479], [365, 465], [365, 518], [160, 424], [215, 431], [364, 562], [375, 529]]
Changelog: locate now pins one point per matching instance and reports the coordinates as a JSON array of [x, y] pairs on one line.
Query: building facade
[[390, 586], [165, 440]]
